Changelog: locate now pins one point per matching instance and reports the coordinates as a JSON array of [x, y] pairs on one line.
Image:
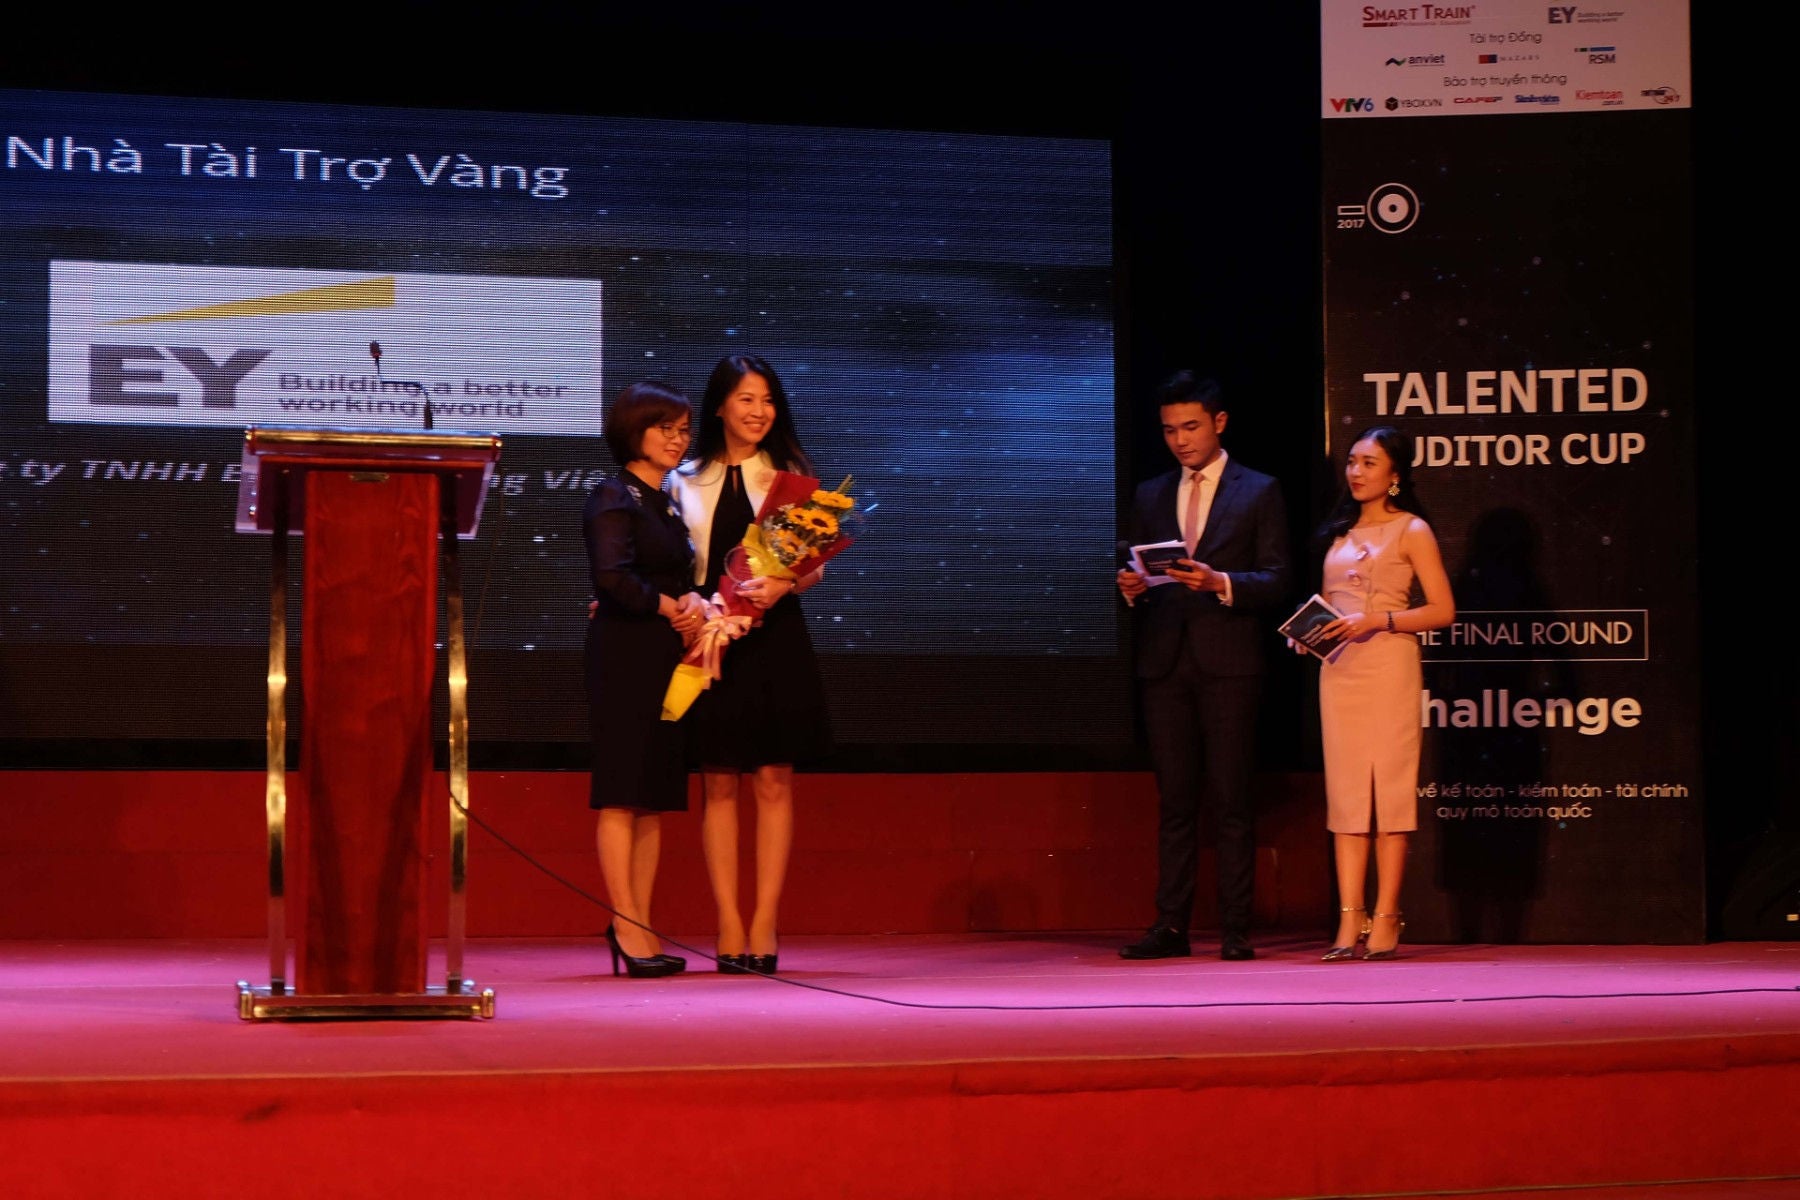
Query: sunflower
[[814, 520], [787, 545], [837, 500]]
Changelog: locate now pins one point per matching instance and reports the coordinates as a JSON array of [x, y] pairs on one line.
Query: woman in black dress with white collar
[[767, 711]]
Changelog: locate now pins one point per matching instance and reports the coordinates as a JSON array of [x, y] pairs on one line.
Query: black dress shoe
[[1159, 942], [1235, 947]]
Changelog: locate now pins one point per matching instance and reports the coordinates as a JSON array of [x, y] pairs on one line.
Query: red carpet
[[1040, 1066]]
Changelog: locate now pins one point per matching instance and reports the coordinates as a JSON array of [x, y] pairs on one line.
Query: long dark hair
[[1399, 448], [781, 442]]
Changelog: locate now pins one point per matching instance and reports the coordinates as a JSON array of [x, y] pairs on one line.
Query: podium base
[[265, 1004]]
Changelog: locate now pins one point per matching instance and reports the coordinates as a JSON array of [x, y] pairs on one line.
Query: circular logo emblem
[[1393, 207]]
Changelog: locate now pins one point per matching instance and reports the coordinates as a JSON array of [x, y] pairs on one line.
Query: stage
[[919, 1066]]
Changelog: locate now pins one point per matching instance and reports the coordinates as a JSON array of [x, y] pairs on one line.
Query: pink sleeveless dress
[[1369, 691]]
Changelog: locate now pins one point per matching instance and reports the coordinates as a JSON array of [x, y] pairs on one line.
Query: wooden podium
[[377, 508]]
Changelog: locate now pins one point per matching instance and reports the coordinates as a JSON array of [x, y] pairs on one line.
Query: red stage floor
[[921, 1066]]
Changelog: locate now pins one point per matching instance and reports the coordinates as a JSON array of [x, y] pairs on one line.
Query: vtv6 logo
[[1562, 14], [116, 374], [1358, 104]]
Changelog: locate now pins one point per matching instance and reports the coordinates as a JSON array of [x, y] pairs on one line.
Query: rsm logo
[[136, 374]]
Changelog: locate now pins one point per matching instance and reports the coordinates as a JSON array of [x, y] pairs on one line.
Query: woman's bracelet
[[1390, 617]]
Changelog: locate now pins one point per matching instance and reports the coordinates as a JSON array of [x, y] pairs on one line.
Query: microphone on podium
[[424, 396]]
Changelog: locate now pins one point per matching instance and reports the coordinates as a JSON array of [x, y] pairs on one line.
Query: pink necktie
[[1190, 524]]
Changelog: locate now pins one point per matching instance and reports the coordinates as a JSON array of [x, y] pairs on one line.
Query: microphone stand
[[415, 385]]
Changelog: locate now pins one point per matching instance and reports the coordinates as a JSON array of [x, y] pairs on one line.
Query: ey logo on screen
[[153, 344]]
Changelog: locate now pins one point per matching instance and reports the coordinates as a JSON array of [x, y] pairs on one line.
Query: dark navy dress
[[638, 552]]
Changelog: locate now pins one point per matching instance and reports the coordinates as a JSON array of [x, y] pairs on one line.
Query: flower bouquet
[[797, 531]]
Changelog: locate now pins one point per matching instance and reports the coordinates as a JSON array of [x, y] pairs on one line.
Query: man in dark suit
[[1202, 633]]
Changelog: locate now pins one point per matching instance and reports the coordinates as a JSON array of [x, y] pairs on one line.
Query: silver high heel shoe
[[1343, 953], [1392, 951]]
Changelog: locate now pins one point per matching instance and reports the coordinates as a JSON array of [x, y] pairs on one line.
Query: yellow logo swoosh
[[336, 297]]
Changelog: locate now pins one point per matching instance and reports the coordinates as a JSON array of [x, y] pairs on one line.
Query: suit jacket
[[695, 487], [1246, 537]]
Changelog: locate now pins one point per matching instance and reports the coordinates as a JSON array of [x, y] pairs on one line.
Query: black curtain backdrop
[[1214, 120]]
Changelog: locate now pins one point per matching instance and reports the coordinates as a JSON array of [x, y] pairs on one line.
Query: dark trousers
[[1202, 737]]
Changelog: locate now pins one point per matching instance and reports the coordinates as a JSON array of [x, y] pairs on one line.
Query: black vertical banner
[[1515, 292]]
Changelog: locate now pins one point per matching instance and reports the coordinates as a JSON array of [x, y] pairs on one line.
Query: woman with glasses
[[767, 711], [644, 613]]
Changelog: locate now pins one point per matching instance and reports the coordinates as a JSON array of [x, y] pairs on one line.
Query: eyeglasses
[[674, 431]]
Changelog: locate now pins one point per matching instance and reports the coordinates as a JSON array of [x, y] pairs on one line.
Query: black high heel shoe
[[761, 964], [733, 964], [1345, 953], [656, 966], [675, 960]]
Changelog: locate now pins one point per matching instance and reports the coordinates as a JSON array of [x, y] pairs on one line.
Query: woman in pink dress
[[1382, 571]]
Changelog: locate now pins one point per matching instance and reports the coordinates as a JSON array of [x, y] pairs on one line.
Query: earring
[[1394, 488]]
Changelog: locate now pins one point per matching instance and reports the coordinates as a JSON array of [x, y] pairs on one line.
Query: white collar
[[1211, 471], [712, 472]]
